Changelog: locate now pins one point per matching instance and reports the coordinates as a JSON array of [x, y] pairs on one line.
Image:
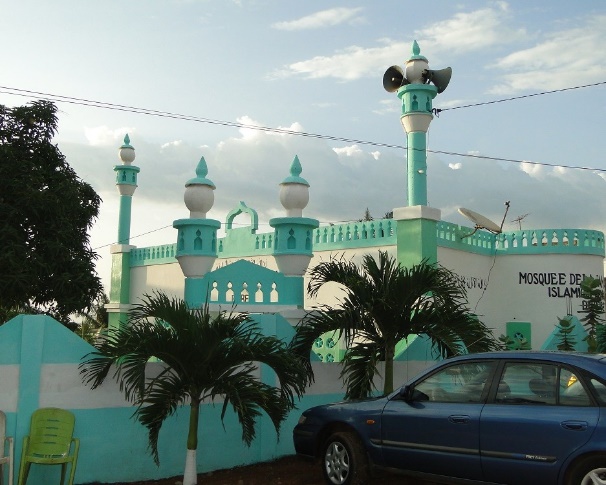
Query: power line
[[167, 114], [520, 97]]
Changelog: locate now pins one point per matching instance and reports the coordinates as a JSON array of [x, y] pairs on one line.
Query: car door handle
[[458, 419], [575, 425]]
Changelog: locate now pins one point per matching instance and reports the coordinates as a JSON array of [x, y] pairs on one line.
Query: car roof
[[551, 355]]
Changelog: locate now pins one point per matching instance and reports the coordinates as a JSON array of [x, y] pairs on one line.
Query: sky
[[207, 69]]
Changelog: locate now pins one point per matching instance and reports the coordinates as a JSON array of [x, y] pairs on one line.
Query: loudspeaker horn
[[439, 79], [393, 79]]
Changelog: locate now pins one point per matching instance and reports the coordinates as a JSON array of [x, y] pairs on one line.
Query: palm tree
[[384, 303], [204, 358], [95, 320]]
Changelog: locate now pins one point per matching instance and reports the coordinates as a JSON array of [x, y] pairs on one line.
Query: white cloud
[[533, 169], [350, 151], [103, 135], [464, 32], [322, 19], [170, 144], [471, 31], [455, 166], [561, 59], [347, 64]]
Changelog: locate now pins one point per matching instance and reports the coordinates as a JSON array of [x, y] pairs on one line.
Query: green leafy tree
[[46, 262], [566, 338], [205, 358], [383, 304], [95, 320], [592, 307]]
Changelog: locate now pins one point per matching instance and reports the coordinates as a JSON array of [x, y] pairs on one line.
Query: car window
[[600, 389], [539, 383], [572, 392], [463, 382], [532, 383]]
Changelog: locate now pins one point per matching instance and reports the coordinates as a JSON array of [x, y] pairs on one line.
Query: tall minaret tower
[[197, 236], [126, 181], [416, 230]]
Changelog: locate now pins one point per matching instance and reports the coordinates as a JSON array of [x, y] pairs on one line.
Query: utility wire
[[166, 114], [520, 97]]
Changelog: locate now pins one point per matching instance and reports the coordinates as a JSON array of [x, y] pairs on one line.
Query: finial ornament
[[416, 50], [127, 151], [295, 168], [295, 172], [202, 168], [201, 173]]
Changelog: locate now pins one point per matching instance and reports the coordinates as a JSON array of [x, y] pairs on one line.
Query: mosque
[[519, 283]]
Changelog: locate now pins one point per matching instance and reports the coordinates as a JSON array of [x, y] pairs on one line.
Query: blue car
[[497, 417]]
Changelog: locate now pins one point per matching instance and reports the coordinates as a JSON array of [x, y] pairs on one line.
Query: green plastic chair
[[50, 443], [5, 459]]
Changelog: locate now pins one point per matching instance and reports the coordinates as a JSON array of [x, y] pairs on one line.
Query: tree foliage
[[592, 294], [204, 357], [383, 304], [566, 340], [46, 262]]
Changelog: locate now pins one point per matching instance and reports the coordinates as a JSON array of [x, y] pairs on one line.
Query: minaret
[[197, 236], [126, 182], [293, 233], [417, 223]]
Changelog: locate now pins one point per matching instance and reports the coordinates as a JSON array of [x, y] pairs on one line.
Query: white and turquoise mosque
[[518, 282]]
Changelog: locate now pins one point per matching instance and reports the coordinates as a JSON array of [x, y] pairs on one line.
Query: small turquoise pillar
[[126, 182], [293, 236], [197, 236], [417, 223]]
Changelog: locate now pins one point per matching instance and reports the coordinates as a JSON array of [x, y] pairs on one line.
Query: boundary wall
[[39, 361]]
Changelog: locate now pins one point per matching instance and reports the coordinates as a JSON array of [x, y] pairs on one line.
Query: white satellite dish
[[480, 221]]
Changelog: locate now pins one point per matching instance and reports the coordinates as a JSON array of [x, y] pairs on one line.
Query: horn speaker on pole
[[439, 78], [393, 79]]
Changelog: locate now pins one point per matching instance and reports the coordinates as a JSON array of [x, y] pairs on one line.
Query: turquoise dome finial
[[295, 172], [416, 51], [201, 173], [126, 142]]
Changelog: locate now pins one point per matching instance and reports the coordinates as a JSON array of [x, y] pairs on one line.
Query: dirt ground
[[289, 470]]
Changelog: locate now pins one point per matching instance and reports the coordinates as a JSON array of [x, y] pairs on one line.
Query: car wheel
[[591, 471], [344, 460]]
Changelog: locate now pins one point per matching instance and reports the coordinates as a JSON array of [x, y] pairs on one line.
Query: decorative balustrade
[[382, 232], [529, 241], [358, 234]]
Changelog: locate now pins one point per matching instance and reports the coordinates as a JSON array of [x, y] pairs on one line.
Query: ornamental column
[[293, 236], [197, 236], [119, 294], [416, 223]]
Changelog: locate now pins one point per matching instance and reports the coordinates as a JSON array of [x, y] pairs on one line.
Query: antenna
[[482, 222], [519, 220]]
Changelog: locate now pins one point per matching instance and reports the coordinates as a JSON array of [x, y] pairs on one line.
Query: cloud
[[471, 31], [464, 32], [347, 64], [560, 59], [103, 135], [322, 19]]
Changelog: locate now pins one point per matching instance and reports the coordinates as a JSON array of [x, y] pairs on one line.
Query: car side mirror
[[406, 392], [409, 394]]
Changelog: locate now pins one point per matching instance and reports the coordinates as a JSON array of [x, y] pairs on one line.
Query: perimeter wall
[[39, 361]]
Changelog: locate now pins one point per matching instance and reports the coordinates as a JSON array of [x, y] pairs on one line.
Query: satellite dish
[[439, 79], [480, 221]]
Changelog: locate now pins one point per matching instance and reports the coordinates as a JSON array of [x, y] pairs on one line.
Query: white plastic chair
[[5, 459]]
